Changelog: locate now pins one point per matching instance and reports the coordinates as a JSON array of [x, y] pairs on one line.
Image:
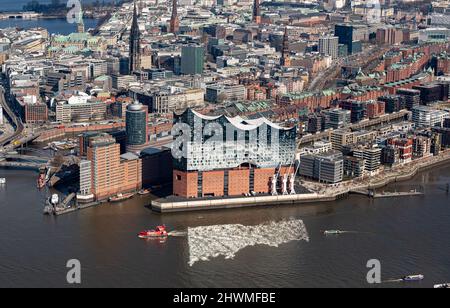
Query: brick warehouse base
[[224, 183]]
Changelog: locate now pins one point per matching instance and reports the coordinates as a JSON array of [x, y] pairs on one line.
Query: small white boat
[[442, 286], [54, 199], [332, 232], [413, 278], [2, 181]]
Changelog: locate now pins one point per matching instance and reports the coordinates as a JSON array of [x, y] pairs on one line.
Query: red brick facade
[[36, 113], [185, 184], [263, 178], [238, 182], [213, 182]]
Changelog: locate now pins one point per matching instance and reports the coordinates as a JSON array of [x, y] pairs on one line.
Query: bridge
[[38, 152], [25, 158], [20, 15], [25, 165], [12, 160]]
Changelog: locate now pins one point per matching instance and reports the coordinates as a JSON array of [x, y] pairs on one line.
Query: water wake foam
[[226, 240], [177, 233]]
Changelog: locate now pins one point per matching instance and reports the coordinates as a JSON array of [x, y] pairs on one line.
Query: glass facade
[[136, 125], [224, 143], [192, 60]]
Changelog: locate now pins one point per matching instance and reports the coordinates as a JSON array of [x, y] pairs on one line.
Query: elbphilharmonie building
[[216, 156]]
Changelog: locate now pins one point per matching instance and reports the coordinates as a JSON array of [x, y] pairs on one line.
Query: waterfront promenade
[[383, 178], [319, 192]]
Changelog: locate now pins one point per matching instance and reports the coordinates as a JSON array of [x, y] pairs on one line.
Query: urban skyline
[[215, 106]]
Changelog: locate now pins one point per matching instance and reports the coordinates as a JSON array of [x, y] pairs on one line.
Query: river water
[[408, 235], [17, 5], [54, 26]]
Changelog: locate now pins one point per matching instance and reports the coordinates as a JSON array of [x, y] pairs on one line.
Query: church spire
[[285, 60], [256, 12], [80, 22], [174, 21], [135, 43]]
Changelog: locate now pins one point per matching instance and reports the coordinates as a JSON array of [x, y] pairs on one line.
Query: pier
[[397, 194], [175, 204], [63, 208], [385, 194]]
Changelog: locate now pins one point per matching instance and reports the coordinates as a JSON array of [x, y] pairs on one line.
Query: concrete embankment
[[409, 174], [397, 194], [172, 204], [168, 205]]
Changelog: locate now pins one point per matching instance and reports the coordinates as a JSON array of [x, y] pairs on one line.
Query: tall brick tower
[[256, 12], [285, 59], [174, 21]]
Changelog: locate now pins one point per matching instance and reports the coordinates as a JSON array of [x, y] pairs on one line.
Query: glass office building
[[136, 127]]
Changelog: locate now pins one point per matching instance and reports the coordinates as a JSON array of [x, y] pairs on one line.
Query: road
[[16, 121], [21, 134]]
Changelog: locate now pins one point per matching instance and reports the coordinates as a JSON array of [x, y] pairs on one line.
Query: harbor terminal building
[[219, 156]]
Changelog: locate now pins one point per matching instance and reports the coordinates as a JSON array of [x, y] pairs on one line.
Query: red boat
[[160, 231], [41, 181]]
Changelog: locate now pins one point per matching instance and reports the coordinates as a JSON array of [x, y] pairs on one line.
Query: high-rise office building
[[192, 59], [329, 46], [136, 127], [350, 36], [112, 173]]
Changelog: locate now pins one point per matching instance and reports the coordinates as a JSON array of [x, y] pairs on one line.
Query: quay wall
[[408, 175], [167, 206], [164, 206]]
